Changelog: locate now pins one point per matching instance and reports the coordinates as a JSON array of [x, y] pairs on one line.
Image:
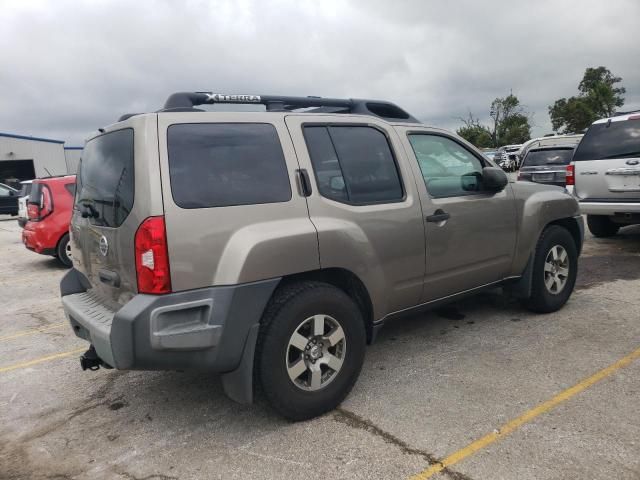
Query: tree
[[598, 97], [475, 133], [509, 124]]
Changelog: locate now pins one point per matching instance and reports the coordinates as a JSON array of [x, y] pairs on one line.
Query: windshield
[[536, 158], [104, 185], [614, 140]]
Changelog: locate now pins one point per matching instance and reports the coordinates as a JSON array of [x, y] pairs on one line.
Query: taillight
[[37, 212], [33, 211], [152, 257], [570, 179]]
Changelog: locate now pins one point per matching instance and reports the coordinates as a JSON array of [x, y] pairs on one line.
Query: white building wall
[[48, 157], [72, 158]]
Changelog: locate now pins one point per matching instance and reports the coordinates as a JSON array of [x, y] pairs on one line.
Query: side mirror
[[494, 179]]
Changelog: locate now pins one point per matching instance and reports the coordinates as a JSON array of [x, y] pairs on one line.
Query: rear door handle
[[438, 216]]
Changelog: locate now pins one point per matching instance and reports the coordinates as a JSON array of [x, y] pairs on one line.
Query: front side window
[[448, 169], [105, 185], [353, 164], [226, 164]]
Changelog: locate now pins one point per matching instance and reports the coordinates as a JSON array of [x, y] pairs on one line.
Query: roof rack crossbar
[[386, 110]]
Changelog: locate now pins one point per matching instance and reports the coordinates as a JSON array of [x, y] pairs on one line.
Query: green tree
[[475, 133], [509, 124], [599, 96]]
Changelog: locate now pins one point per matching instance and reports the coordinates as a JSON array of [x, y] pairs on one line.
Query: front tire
[[63, 251], [555, 267], [310, 349], [601, 226]]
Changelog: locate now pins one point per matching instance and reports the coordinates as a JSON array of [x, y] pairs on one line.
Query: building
[[25, 158], [72, 158]]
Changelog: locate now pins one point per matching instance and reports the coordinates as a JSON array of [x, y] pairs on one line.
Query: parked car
[[272, 246], [507, 157], [546, 165], [565, 140], [49, 210], [25, 191], [8, 200], [490, 154], [604, 174]]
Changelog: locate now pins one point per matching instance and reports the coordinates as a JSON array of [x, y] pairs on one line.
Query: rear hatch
[[548, 165], [117, 187], [607, 161]]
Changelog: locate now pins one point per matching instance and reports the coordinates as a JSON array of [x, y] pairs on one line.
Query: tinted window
[[536, 158], [618, 140], [224, 164], [448, 169], [353, 164], [105, 180]]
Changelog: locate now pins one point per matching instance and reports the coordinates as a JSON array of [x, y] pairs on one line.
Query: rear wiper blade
[[624, 155]]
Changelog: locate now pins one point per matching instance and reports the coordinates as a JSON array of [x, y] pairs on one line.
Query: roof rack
[[186, 101], [619, 114]]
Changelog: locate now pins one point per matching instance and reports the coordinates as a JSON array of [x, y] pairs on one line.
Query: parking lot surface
[[463, 386]]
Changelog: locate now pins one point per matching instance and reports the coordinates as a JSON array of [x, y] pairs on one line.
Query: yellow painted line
[[32, 331], [42, 360], [526, 417]]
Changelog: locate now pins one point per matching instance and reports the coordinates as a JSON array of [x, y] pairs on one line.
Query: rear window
[[536, 158], [617, 140], [226, 164], [105, 182]]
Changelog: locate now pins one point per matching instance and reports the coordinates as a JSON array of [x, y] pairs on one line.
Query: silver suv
[[606, 171], [271, 246]]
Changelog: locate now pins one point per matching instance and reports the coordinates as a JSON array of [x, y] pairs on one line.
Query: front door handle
[[438, 216]]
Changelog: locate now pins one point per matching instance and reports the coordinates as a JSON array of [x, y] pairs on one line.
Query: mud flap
[[238, 384]]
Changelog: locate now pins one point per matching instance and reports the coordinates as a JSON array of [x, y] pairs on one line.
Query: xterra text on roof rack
[[271, 246]]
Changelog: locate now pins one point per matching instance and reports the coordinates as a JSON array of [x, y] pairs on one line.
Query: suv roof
[[186, 101], [621, 117]]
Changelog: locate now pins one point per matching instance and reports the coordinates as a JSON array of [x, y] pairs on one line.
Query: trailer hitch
[[91, 361]]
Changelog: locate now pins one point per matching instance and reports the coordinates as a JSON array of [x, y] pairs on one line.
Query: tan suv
[[271, 246]]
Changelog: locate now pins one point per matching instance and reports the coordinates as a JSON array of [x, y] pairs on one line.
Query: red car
[[49, 210]]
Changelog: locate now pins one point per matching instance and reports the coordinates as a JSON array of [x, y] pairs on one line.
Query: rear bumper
[[609, 208], [205, 329], [38, 237]]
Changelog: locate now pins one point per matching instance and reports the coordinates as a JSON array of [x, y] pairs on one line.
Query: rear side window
[[353, 164], [536, 158], [225, 164], [617, 140], [105, 182]]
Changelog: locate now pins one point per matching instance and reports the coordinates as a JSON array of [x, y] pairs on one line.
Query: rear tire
[[290, 352], [601, 226], [63, 253], [555, 267]]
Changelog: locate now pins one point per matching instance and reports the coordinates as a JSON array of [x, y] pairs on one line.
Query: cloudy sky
[[69, 67]]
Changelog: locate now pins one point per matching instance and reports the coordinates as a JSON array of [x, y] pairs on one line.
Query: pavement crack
[[153, 476], [353, 420]]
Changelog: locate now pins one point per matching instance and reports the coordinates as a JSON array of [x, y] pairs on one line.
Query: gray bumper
[[203, 329]]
